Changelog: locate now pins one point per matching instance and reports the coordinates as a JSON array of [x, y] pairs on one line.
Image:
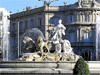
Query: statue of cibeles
[[59, 43], [41, 52], [59, 31]]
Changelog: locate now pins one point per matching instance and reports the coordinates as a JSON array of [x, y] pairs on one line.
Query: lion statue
[[42, 45], [29, 44], [34, 46]]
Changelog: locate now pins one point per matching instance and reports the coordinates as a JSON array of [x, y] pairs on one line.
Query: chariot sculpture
[[40, 51]]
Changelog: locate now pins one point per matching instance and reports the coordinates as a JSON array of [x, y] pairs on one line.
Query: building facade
[[79, 19], [4, 33]]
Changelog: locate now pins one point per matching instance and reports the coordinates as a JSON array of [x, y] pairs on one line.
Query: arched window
[[87, 55], [39, 21], [13, 27], [72, 36], [13, 41], [31, 23], [20, 25], [71, 18], [86, 36], [26, 24]]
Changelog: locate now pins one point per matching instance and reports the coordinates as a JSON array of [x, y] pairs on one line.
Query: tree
[[81, 68]]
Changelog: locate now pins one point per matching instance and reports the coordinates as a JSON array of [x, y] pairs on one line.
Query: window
[[20, 25], [13, 41], [86, 37], [39, 21], [71, 18], [78, 18], [86, 18], [31, 23], [13, 27], [55, 21], [26, 24], [0, 16], [87, 55], [72, 36]]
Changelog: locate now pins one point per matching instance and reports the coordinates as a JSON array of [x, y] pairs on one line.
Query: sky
[[14, 5]]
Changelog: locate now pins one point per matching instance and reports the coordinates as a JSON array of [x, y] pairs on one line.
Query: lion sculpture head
[[27, 40], [29, 43]]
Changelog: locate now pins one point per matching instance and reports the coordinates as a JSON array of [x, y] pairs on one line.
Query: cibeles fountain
[[39, 47], [37, 56]]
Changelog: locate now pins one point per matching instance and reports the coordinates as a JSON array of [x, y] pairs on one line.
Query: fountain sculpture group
[[39, 47]]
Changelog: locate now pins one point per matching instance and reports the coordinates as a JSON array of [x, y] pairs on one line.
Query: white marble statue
[[59, 31], [58, 48], [59, 43], [67, 46]]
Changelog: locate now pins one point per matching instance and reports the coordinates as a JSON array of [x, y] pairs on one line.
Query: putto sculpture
[[40, 50]]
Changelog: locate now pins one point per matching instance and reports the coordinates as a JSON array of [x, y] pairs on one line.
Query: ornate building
[[4, 32], [79, 19]]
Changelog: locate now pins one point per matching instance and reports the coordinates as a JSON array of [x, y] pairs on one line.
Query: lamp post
[[48, 4], [18, 39]]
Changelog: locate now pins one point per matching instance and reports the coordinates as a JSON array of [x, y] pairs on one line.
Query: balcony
[[82, 23], [83, 44]]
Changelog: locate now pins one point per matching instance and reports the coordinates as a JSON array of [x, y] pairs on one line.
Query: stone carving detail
[[67, 46], [86, 3], [58, 48], [49, 57]]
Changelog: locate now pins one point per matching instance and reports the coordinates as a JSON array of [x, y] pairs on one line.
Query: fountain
[[34, 41], [38, 58]]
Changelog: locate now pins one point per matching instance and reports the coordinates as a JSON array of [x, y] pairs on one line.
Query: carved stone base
[[49, 57]]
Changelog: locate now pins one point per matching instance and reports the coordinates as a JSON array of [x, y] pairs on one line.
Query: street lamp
[[49, 2]]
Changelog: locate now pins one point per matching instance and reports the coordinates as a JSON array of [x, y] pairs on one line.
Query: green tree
[[81, 68]]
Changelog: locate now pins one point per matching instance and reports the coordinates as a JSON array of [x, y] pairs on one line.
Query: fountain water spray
[[5, 35], [97, 28]]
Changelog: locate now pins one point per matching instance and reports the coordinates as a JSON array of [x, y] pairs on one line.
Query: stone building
[[79, 19], [4, 32]]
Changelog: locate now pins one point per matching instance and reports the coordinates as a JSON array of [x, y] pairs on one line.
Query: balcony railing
[[83, 43]]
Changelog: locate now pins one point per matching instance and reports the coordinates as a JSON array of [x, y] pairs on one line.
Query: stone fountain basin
[[47, 64], [34, 64], [45, 67]]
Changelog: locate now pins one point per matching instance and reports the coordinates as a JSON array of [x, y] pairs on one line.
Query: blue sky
[[14, 5]]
